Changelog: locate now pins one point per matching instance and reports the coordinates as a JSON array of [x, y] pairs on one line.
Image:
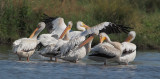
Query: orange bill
[[128, 39], [64, 32], [33, 32], [85, 26], [102, 39], [86, 41]]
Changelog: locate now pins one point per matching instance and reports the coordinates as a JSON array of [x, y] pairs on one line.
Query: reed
[[18, 18]]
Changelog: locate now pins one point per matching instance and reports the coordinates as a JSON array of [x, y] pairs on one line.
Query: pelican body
[[103, 52], [129, 49]]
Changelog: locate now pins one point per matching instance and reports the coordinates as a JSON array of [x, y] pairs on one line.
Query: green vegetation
[[18, 18]]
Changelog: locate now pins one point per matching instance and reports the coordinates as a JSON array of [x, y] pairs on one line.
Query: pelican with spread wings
[[75, 49]]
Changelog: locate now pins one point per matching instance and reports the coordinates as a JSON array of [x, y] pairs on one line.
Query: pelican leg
[[75, 61], [19, 58], [105, 63], [50, 58], [28, 59], [56, 60]]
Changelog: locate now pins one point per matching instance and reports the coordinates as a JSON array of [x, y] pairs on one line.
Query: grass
[[20, 17]]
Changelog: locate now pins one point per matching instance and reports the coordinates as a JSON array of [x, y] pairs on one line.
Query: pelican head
[[39, 28], [104, 36], [70, 24], [41, 25], [67, 29], [131, 36], [81, 26], [60, 21]]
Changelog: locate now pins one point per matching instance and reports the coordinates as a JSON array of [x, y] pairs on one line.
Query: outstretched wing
[[114, 28], [49, 24], [108, 28], [56, 25]]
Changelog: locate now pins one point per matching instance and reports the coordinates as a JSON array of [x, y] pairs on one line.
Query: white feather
[[105, 48], [27, 44], [58, 26], [128, 57], [16, 43], [47, 39]]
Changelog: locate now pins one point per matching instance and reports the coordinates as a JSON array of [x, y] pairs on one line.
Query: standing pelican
[[129, 49], [106, 51], [25, 47]]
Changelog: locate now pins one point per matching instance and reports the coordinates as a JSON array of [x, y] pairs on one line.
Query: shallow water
[[145, 66]]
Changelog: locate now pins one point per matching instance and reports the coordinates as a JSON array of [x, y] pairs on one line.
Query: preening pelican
[[106, 51], [47, 51], [58, 27], [25, 47], [74, 49], [129, 49]]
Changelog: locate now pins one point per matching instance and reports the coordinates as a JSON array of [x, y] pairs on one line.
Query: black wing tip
[[116, 28], [48, 19]]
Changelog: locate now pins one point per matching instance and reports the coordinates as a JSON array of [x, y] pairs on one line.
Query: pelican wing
[[105, 50], [47, 49], [128, 48], [16, 43], [27, 45], [71, 45], [74, 33], [49, 25], [57, 25], [47, 39], [108, 28]]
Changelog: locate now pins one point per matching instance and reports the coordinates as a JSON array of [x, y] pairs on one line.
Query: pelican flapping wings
[[72, 51]]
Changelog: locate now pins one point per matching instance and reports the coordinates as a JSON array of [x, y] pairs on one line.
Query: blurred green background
[[18, 18]]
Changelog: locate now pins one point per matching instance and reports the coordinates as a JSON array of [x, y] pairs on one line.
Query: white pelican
[[47, 51], [129, 49], [75, 50], [106, 51], [25, 47]]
